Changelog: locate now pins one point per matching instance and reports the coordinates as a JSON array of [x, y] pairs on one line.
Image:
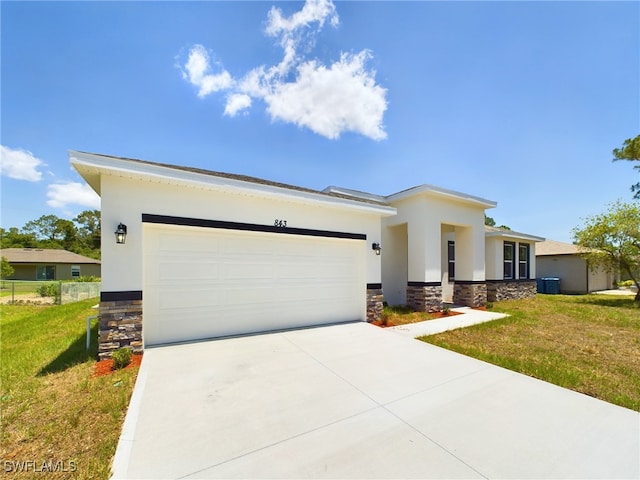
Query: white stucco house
[[209, 254]]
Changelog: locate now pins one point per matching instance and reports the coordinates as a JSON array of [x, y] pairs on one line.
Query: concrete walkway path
[[465, 318], [355, 401]]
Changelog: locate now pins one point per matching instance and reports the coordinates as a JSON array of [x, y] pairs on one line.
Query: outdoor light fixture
[[376, 248], [121, 233]]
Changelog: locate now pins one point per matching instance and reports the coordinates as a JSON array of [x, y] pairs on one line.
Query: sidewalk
[[467, 317]]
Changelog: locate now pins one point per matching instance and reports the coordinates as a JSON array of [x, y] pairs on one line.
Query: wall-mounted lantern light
[[376, 248], [121, 233]]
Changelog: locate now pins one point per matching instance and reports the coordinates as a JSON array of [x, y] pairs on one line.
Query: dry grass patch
[[56, 414], [589, 343]]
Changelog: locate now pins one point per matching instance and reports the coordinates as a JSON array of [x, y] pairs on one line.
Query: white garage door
[[203, 282]]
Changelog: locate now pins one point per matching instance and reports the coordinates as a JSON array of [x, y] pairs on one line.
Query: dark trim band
[[121, 296], [252, 227], [513, 280], [424, 284], [374, 286], [470, 282]]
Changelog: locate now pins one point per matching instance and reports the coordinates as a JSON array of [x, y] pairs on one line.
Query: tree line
[[80, 235]]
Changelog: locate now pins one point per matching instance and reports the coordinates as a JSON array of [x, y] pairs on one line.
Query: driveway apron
[[356, 401]]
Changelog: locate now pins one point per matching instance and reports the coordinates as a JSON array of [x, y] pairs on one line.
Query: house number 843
[[280, 223]]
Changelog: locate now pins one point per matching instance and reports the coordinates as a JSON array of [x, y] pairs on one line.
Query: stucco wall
[[394, 264], [425, 215], [125, 200]]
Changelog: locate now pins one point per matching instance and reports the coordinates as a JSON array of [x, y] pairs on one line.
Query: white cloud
[[20, 164], [342, 97], [61, 195], [313, 11], [236, 103], [332, 100], [198, 71]]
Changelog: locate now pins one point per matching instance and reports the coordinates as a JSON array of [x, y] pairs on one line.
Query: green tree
[[611, 240], [492, 223], [13, 238], [630, 151], [44, 228], [6, 270], [89, 228]]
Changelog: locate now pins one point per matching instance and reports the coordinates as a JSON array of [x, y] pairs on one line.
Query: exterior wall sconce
[[376, 248], [121, 233]]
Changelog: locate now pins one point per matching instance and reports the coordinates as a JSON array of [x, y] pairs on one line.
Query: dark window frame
[[451, 259], [508, 266], [524, 263]]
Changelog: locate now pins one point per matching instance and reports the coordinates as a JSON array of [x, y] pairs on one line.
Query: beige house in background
[[563, 260], [49, 264]]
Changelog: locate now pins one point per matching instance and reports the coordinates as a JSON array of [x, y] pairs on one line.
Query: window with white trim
[[75, 271], [509, 256]]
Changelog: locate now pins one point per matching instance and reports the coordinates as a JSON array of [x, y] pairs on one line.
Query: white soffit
[[91, 166], [432, 190]]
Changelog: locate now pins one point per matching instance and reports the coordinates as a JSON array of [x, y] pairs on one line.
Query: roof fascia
[[434, 191], [111, 165], [514, 235]]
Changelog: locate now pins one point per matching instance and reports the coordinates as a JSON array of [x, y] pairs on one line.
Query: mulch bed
[[105, 367], [436, 315]]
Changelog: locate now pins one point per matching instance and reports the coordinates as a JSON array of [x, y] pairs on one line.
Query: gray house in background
[[563, 260], [49, 264]]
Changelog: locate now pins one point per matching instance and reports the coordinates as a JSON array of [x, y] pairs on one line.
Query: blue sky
[[517, 102]]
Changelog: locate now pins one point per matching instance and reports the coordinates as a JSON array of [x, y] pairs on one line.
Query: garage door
[[209, 282]]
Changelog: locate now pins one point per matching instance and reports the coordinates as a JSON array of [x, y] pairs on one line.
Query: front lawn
[[588, 343], [56, 415]]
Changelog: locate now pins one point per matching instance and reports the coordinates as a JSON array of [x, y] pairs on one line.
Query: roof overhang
[[444, 193], [92, 166], [511, 235]]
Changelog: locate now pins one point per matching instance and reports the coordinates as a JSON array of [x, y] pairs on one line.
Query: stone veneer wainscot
[[424, 297], [119, 325], [498, 290]]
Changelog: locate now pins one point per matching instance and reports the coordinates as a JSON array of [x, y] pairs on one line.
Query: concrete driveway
[[357, 401]]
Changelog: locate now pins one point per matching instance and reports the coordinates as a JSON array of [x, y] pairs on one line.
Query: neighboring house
[[49, 264], [563, 261], [210, 254]]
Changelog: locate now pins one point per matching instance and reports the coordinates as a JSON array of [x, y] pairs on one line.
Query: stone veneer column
[[470, 293], [498, 290], [424, 296], [120, 323], [375, 303]]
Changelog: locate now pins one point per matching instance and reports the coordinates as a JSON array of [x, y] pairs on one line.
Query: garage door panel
[[203, 283]]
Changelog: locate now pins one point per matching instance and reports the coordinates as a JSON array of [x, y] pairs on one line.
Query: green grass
[[588, 343], [53, 409]]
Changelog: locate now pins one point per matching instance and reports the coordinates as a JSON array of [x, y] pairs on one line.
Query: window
[[75, 271], [523, 260], [509, 254], [46, 272], [451, 256]]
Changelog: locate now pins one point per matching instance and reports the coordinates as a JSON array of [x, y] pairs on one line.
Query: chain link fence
[[47, 292]]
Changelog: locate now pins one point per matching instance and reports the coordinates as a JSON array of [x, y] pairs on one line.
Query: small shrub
[[121, 358], [446, 310], [625, 283], [87, 279], [489, 305], [48, 290]]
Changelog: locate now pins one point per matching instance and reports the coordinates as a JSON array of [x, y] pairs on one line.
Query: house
[[200, 254], [49, 264], [563, 260]]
